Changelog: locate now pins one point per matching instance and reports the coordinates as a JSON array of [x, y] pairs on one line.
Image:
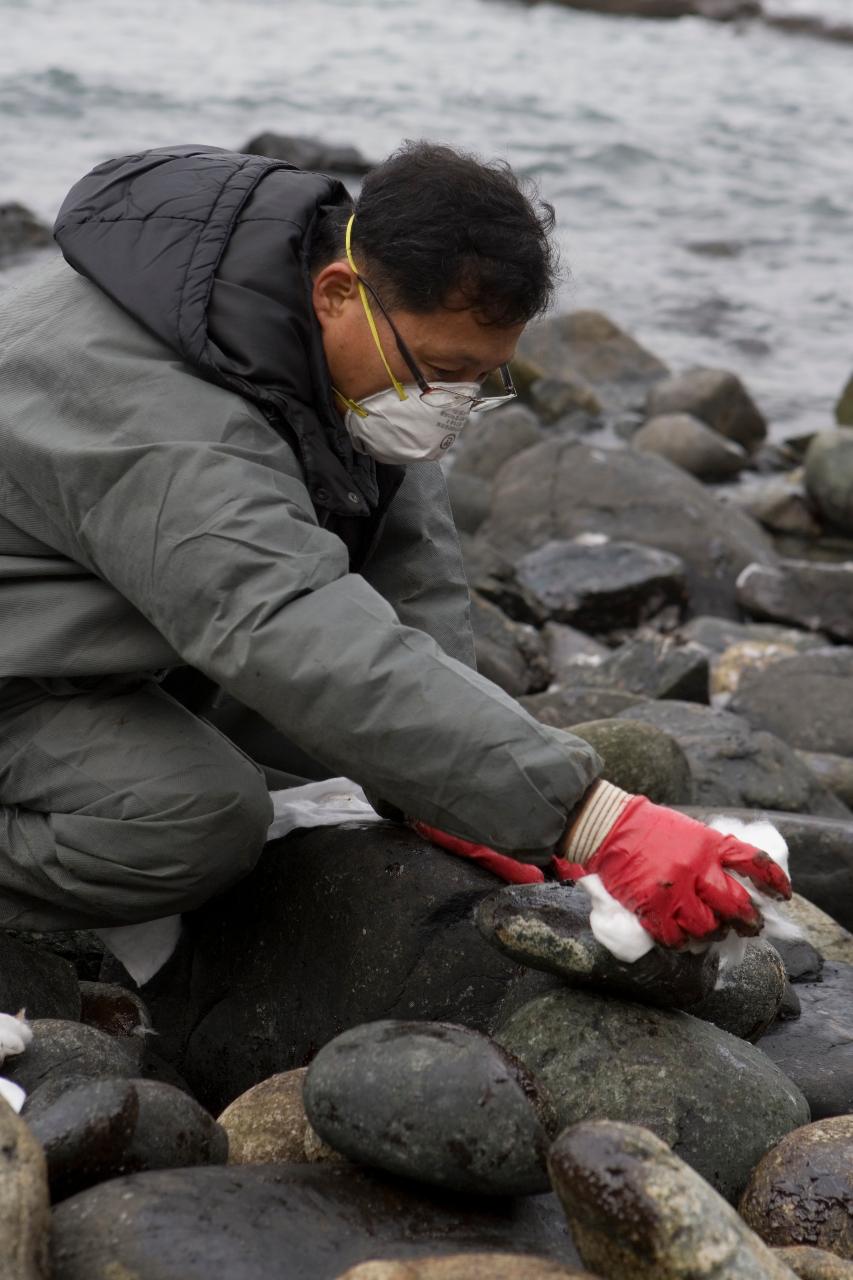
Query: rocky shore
[[370, 1060]]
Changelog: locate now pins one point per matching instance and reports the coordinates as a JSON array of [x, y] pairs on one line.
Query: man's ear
[[334, 291]]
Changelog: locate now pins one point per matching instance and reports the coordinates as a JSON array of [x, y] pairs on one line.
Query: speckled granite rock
[[24, 1202], [268, 1123], [748, 996]]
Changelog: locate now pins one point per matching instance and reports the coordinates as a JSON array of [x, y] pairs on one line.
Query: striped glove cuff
[[601, 808]]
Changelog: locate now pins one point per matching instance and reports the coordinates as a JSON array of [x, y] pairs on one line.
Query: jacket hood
[[209, 250]]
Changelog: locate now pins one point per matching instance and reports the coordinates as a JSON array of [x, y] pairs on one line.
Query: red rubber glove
[[670, 871], [507, 868]]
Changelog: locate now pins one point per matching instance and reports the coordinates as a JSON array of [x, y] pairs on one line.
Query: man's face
[[448, 345]]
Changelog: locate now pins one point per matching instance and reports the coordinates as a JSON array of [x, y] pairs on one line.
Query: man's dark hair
[[435, 227]]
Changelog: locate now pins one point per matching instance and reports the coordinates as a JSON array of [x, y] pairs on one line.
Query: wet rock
[[60, 1048], [435, 1102], [24, 1202], [733, 764], [589, 346], [490, 440], [83, 949], [570, 651], [816, 1051], [636, 1210], [809, 593], [658, 667], [829, 476], [815, 1264], [641, 759], [309, 153], [399, 909], [36, 980], [512, 654], [268, 1123], [717, 398], [806, 699], [103, 1128], [748, 996], [563, 708], [802, 961], [467, 1266], [114, 1010], [844, 408], [629, 497], [833, 772], [779, 503], [691, 445], [716, 1099], [824, 933], [308, 1222], [554, 398], [21, 231], [598, 587], [546, 926], [802, 1191]]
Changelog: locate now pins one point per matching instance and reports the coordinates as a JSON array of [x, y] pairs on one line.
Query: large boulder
[[829, 476], [640, 758], [586, 345], [806, 699], [628, 497], [734, 764], [811, 594], [717, 398], [37, 980], [309, 153], [801, 1192], [689, 444], [305, 1222], [61, 1049], [717, 1100]]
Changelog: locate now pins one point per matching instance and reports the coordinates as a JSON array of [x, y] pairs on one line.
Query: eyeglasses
[[442, 397]]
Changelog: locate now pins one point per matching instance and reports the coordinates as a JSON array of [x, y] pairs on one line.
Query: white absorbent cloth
[[143, 949], [619, 930], [15, 1035]]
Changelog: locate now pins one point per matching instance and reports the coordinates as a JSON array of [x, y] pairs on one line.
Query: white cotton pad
[[615, 927], [13, 1093], [15, 1035]]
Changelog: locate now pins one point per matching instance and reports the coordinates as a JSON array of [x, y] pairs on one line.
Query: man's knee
[[231, 818]]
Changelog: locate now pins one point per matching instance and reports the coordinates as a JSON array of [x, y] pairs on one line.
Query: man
[[219, 424]]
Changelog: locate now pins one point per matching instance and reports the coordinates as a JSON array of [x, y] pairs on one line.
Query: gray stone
[[546, 926], [802, 1191], [563, 708], [717, 1100], [489, 440], [809, 593], [36, 980], [598, 587], [571, 651], [638, 1211], [587, 345], [779, 503], [83, 950], [691, 445], [103, 1128], [628, 497], [832, 771], [829, 476], [553, 399], [814, 1264], [60, 1048], [470, 499], [715, 396], [640, 758], [806, 699], [658, 666], [716, 635], [21, 231], [816, 1051], [24, 1203], [305, 1222], [802, 961], [512, 654], [750, 655], [435, 1102], [748, 996], [734, 764], [309, 153]]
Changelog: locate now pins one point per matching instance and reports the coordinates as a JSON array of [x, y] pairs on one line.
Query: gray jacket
[[159, 506]]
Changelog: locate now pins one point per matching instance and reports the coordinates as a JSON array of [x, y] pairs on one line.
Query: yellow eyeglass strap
[[365, 302]]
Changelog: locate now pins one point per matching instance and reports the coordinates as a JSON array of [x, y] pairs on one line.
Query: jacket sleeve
[[417, 563], [219, 547]]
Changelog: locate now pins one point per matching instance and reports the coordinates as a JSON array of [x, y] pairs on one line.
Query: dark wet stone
[[113, 1009], [806, 699], [717, 398], [598, 587], [563, 708], [688, 443], [803, 963], [308, 1222], [808, 593], [734, 764], [103, 1128], [435, 1102], [21, 231], [717, 1100], [83, 950], [829, 476], [748, 996], [658, 666], [36, 980], [509, 653], [816, 1051], [637, 1211], [546, 926], [640, 758], [630, 497], [802, 1191], [60, 1048], [309, 153]]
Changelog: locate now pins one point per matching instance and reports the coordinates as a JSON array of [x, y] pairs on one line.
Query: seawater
[[702, 174]]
